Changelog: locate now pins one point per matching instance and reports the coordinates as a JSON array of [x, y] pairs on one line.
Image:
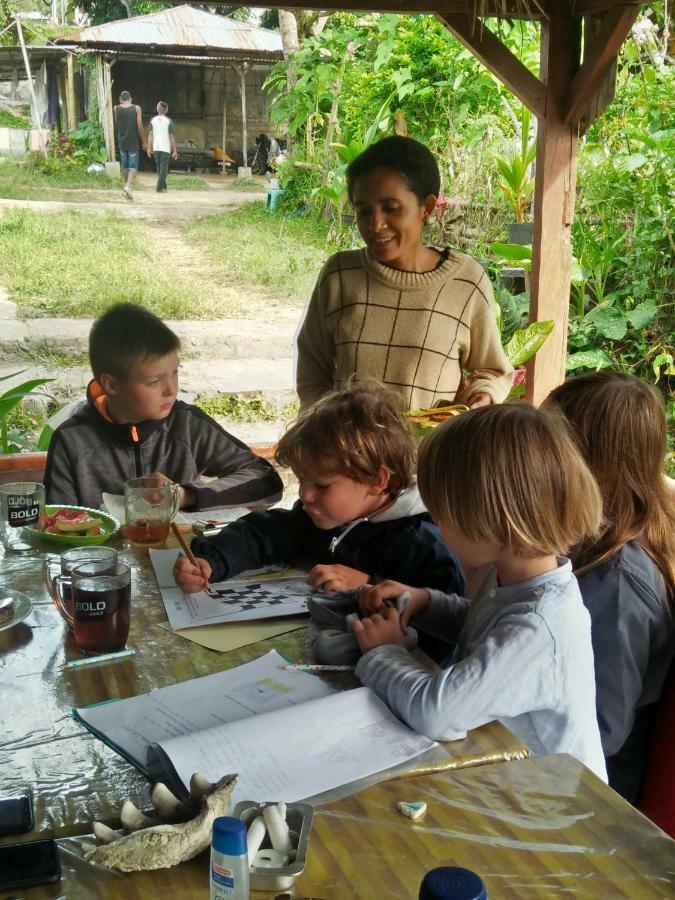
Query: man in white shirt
[[162, 142]]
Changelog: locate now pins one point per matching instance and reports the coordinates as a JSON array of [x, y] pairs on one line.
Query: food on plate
[[73, 522], [432, 418]]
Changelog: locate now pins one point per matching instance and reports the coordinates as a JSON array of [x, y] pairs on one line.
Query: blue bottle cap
[[229, 836], [452, 883]]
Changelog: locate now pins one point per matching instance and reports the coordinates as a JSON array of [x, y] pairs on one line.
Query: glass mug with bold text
[[150, 504], [57, 575], [21, 503], [101, 606]]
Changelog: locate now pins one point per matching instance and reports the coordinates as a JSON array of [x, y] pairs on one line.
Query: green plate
[[109, 525]]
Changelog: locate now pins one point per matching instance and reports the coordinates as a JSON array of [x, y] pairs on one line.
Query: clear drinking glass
[[21, 503], [150, 503], [57, 575], [101, 605]]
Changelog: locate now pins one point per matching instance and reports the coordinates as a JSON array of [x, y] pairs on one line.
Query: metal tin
[[299, 817]]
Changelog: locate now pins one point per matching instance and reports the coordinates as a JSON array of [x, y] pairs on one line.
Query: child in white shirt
[[162, 142], [510, 491]]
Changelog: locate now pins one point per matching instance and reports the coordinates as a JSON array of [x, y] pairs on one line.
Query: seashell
[[163, 845]]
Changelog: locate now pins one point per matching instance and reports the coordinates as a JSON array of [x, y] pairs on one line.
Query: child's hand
[[371, 599], [336, 578], [378, 630], [191, 579]]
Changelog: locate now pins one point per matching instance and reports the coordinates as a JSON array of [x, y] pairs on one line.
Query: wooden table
[[76, 778]]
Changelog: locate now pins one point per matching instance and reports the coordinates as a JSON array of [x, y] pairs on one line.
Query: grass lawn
[[18, 182], [255, 247], [73, 264]]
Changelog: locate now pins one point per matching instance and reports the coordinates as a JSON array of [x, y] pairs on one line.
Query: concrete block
[[244, 172], [112, 169]]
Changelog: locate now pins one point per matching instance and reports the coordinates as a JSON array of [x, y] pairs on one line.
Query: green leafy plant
[[11, 440], [515, 179], [88, 143]]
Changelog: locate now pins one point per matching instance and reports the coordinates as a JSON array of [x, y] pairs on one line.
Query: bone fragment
[[133, 819], [200, 786], [162, 846], [104, 834], [164, 801]]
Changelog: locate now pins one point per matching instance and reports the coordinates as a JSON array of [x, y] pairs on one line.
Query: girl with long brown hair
[[627, 575]]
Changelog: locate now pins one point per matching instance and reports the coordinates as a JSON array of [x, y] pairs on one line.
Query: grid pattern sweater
[[420, 333]]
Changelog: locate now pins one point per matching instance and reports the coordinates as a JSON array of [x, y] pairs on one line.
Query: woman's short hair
[[512, 475], [414, 162], [352, 433], [620, 426]]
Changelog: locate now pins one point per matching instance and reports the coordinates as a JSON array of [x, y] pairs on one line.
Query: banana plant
[[10, 442]]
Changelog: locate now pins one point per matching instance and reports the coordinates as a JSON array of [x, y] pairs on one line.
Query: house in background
[[208, 68]]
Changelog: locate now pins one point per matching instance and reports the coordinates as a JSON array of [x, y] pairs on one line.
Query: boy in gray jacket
[[131, 424]]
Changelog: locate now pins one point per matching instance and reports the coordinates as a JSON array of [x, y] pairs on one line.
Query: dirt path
[[189, 261]]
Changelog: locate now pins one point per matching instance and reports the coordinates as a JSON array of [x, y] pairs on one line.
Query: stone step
[[242, 339], [271, 378]]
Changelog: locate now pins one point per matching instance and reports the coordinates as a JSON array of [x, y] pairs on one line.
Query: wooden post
[[244, 130], [557, 147], [71, 102], [31, 87], [15, 84], [105, 112], [224, 116]]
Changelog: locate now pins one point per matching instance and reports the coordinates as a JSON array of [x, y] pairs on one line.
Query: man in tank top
[[130, 137], [162, 142]]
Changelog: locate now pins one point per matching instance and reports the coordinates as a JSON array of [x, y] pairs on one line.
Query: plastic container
[[229, 860], [452, 883], [299, 817]]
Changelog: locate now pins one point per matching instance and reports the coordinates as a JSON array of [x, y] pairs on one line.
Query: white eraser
[[413, 810], [279, 834], [270, 859], [255, 836]]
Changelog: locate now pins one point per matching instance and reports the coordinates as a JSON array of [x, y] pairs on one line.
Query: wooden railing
[[31, 466]]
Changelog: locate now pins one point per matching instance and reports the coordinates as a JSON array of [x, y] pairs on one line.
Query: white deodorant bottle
[[229, 860]]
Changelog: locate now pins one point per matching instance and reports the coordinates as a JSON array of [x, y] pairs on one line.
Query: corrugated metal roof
[[181, 26]]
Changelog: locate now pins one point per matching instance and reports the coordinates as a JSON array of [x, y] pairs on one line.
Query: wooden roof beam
[[603, 50], [486, 47]]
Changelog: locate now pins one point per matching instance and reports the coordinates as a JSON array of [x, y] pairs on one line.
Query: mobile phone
[[33, 862], [16, 815]]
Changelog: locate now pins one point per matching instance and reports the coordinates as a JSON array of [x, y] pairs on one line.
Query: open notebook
[[287, 734]]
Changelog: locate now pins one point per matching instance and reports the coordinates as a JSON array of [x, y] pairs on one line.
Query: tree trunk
[[288, 27]]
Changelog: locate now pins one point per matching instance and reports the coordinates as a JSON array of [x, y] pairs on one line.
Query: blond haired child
[[508, 489], [627, 573], [359, 518]]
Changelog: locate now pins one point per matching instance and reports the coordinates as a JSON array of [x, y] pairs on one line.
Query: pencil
[[313, 668], [104, 657], [181, 540]]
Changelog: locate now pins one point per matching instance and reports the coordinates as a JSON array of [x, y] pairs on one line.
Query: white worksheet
[[188, 708], [240, 599], [299, 751]]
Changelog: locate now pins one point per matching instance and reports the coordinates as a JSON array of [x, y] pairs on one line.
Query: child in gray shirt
[[510, 493]]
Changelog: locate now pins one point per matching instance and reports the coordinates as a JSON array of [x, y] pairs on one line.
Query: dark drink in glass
[[102, 606], [58, 583], [147, 533]]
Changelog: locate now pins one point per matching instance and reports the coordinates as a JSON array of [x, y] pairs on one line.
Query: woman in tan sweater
[[418, 318]]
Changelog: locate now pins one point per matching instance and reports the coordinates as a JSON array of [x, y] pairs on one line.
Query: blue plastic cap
[[452, 883], [229, 836]]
